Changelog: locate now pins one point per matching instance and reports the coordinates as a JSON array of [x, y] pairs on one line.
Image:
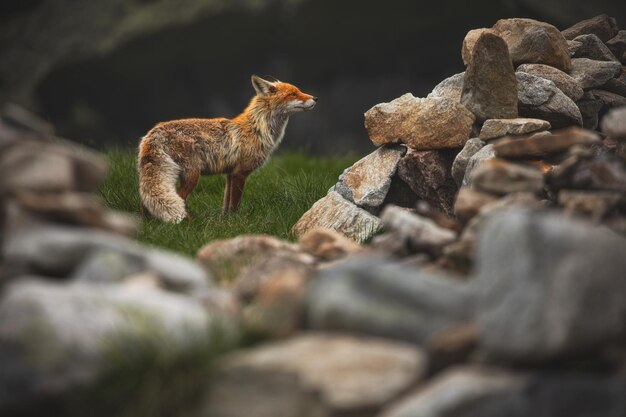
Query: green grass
[[274, 198]]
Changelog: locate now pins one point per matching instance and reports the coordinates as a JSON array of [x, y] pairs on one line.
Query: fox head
[[283, 96]]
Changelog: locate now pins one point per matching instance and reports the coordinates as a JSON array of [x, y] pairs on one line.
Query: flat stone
[[462, 158], [420, 233], [500, 177], [534, 42], [590, 74], [450, 88], [428, 175], [564, 82], [470, 41], [316, 374], [367, 182], [603, 26], [469, 202], [336, 213], [489, 85], [537, 305], [496, 128], [544, 143], [486, 153], [617, 44], [420, 123], [609, 100], [540, 98], [614, 124], [590, 46]]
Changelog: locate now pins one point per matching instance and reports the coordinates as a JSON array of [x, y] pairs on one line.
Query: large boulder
[[533, 42], [489, 85], [548, 301], [563, 81], [420, 123]]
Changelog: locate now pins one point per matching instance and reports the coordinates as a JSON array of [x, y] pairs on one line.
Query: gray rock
[[489, 85], [314, 374], [500, 177], [484, 154], [450, 88], [540, 98], [336, 213], [372, 296], [106, 266], [590, 108], [460, 162], [603, 26], [564, 82], [59, 343], [492, 392], [590, 74], [609, 100], [496, 128], [548, 301], [590, 46], [614, 124], [367, 182], [616, 85], [617, 44], [421, 233]]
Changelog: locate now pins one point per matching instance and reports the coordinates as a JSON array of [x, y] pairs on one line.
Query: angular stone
[[336, 213], [590, 46], [564, 82], [470, 41], [486, 153], [533, 42], [492, 392], [603, 26], [617, 44], [590, 108], [496, 128], [421, 123], [367, 182], [544, 143], [469, 202], [593, 204], [614, 124], [428, 174], [381, 298], [420, 233], [327, 244], [548, 301], [616, 85], [462, 158], [314, 374], [500, 177], [609, 100], [489, 85], [540, 98], [590, 74], [450, 88]]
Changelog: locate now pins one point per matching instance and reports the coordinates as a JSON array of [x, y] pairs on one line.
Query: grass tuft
[[274, 199]]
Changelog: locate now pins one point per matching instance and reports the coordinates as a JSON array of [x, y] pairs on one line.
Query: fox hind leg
[[227, 192], [189, 180]]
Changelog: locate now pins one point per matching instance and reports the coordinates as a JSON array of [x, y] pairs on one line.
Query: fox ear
[[261, 86]]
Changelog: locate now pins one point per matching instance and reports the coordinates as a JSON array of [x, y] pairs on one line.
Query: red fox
[[188, 148]]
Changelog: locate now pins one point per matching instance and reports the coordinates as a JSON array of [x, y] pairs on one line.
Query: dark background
[[104, 72]]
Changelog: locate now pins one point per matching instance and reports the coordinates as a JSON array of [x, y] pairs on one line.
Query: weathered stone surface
[[469, 202], [420, 233], [590, 108], [489, 85], [500, 177], [617, 44], [533, 42], [315, 374], [603, 26], [593, 204], [421, 123], [616, 85], [327, 244], [486, 153], [470, 41], [428, 174], [336, 213], [564, 82], [60, 343], [609, 100], [496, 128], [544, 143], [379, 298], [462, 158], [367, 182], [590, 74], [548, 301], [590, 46], [450, 88], [614, 124], [492, 392], [540, 98]]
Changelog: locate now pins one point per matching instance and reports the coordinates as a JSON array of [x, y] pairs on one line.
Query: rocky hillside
[[472, 265]]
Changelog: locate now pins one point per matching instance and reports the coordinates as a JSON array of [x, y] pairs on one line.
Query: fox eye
[[292, 95]]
